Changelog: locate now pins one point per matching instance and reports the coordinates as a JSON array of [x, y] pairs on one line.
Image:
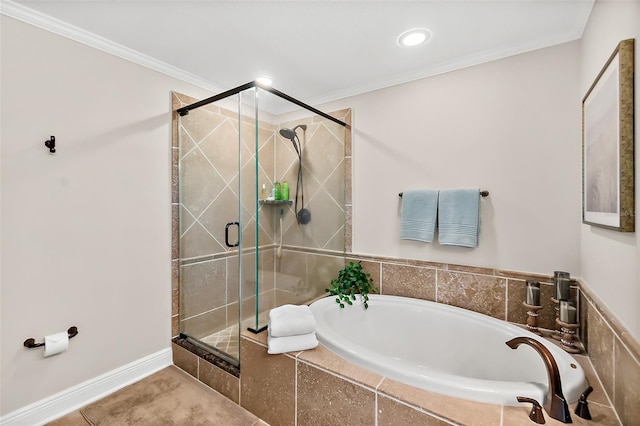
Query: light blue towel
[[458, 217], [419, 212]]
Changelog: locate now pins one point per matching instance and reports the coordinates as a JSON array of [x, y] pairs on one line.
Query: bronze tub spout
[[555, 403]]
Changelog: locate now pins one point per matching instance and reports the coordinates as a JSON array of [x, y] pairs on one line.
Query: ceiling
[[315, 51]]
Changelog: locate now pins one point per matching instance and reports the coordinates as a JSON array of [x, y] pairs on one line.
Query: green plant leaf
[[352, 280]]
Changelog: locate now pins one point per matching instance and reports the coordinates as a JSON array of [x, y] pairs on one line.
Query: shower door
[[241, 253], [217, 221]]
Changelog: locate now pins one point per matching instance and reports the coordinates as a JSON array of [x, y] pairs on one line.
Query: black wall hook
[[51, 144]]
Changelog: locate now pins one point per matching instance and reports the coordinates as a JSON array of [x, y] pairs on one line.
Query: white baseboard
[[55, 406]]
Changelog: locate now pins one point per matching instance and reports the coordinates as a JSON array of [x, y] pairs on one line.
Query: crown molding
[[38, 19], [433, 70]]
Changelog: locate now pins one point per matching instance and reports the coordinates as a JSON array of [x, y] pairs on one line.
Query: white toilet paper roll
[[56, 343]]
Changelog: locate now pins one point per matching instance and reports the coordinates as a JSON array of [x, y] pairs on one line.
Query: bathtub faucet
[[555, 403]]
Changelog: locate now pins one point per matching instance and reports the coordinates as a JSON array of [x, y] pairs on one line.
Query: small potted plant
[[352, 280]]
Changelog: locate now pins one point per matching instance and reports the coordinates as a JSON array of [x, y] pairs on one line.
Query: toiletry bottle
[[278, 192], [285, 191], [263, 192]]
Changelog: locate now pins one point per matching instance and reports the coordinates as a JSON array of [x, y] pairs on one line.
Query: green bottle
[[285, 191], [278, 191]]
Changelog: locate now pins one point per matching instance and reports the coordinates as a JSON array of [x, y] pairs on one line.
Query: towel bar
[[483, 192]]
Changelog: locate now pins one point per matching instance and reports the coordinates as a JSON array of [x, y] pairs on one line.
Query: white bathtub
[[442, 349]]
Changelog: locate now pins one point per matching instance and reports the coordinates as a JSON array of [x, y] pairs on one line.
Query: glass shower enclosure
[[242, 249]]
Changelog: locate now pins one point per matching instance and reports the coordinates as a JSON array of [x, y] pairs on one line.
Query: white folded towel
[[291, 320], [301, 342]]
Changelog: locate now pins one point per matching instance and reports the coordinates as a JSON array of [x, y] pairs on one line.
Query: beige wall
[[611, 260], [511, 126], [86, 233]]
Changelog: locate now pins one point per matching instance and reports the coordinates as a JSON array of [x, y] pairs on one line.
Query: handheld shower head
[[288, 133], [291, 135], [303, 216]]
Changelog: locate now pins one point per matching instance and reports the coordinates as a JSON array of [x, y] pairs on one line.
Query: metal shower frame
[[185, 110]]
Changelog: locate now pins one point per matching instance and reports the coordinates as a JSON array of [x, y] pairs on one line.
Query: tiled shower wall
[[205, 173], [312, 254]]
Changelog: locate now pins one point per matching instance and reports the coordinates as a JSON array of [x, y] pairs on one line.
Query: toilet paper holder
[[31, 343]]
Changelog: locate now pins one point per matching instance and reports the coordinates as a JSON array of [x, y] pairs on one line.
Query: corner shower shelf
[[275, 202]]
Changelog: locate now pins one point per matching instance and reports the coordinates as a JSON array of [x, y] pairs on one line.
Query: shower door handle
[[226, 234]]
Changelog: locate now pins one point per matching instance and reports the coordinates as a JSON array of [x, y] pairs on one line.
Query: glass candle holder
[[557, 275], [568, 312], [533, 293], [562, 291]]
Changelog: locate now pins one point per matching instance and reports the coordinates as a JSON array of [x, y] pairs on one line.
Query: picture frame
[[608, 186]]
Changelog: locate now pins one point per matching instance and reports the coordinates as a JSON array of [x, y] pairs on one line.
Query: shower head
[[291, 133], [303, 216], [288, 134]]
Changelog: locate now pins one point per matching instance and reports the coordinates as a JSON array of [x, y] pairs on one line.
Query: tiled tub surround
[[317, 387], [614, 353], [615, 356], [396, 337], [498, 293]]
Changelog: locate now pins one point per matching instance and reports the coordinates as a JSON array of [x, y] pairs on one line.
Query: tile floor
[[225, 409]]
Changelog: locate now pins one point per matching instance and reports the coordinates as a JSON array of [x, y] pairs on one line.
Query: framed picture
[[608, 143]]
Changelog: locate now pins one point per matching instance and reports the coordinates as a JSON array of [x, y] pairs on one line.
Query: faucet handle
[[536, 414], [582, 409]]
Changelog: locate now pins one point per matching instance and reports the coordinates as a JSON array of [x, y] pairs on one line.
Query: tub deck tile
[[258, 338], [329, 400], [598, 395], [324, 358], [457, 410], [267, 384], [394, 413]]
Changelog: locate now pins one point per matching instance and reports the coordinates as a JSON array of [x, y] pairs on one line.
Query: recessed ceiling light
[[414, 37], [264, 80]]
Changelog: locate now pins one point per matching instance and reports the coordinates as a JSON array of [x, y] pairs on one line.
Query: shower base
[[228, 340]]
